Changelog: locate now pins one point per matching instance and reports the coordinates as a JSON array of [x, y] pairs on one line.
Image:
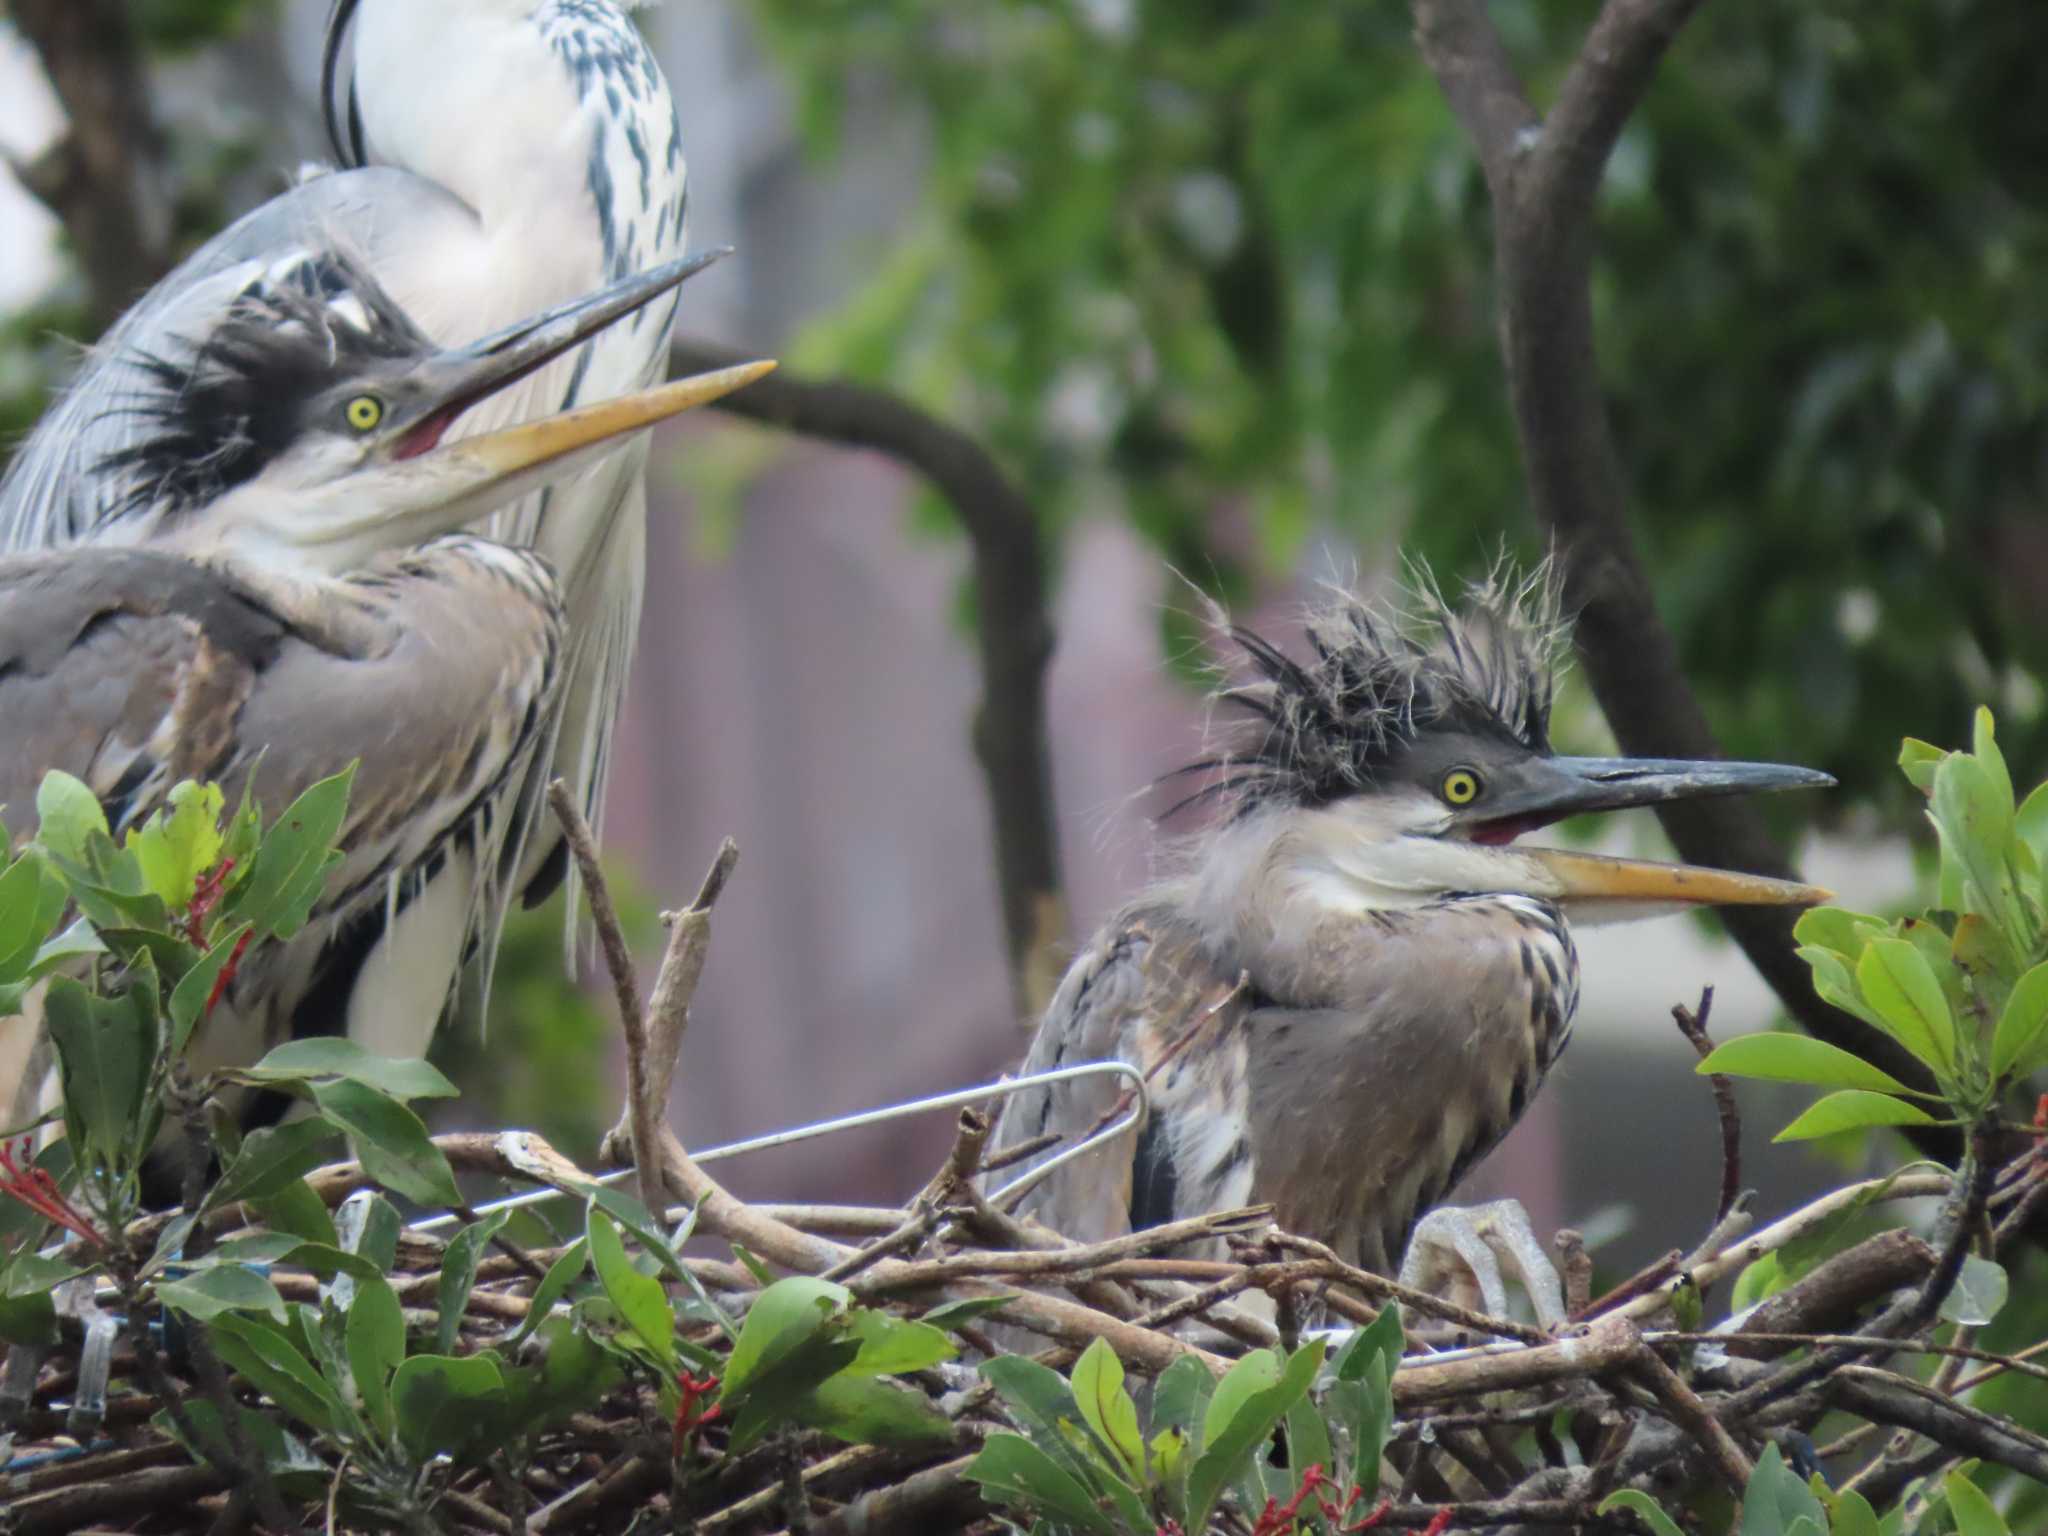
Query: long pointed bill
[[461, 481], [1536, 792], [1594, 880], [465, 376]]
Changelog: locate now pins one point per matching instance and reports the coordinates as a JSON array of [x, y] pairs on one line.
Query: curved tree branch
[[1014, 629], [1543, 175]]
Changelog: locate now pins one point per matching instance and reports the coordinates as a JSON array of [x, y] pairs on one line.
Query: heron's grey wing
[[435, 670], [1432, 1031], [1146, 991], [54, 492], [124, 669], [446, 693]]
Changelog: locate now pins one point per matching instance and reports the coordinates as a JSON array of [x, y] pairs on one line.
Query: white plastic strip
[[1002, 1198]]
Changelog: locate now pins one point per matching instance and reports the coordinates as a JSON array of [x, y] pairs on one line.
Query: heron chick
[[301, 604], [1353, 982]]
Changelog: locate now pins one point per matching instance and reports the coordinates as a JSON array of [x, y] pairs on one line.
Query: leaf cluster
[[1087, 1463], [1963, 985]]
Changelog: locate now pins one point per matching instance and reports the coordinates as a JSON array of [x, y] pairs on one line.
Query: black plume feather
[[221, 406], [1325, 729]]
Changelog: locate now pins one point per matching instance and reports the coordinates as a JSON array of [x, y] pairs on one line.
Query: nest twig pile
[[1497, 1425]]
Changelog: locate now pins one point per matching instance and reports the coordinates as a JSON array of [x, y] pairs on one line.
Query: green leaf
[[1643, 1506], [1796, 1059], [257, 1248], [1180, 1397], [284, 1456], [1853, 1515], [1242, 1415], [1834, 984], [369, 1225], [1381, 1339], [1984, 744], [221, 1289], [459, 1261], [297, 1210], [2030, 825], [1776, 1497], [1018, 1474], [867, 1410], [1978, 1294], [326, 1260], [272, 1159], [1852, 1110], [447, 1406], [969, 1309], [292, 866], [1369, 1409], [2021, 1043], [1899, 985], [574, 1374], [889, 1346], [174, 851], [1837, 929], [334, 1056], [30, 1319], [639, 1298], [1918, 760], [274, 1365], [1098, 1388], [785, 1390], [189, 998], [78, 941], [376, 1347], [1308, 1443], [561, 1274], [781, 1318], [633, 1217], [1038, 1399], [106, 1054], [1973, 812], [390, 1141], [67, 815], [32, 900], [1975, 1515]]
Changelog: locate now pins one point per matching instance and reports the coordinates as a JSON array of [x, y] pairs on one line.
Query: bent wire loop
[[1003, 1198]]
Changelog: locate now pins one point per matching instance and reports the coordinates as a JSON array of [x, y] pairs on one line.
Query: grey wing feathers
[[126, 669], [52, 494], [1145, 992]]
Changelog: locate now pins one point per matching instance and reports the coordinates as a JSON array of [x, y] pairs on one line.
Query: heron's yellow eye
[[364, 412], [1460, 786]]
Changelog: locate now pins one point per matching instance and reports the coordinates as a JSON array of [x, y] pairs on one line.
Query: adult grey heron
[[499, 157], [299, 605], [1355, 980]]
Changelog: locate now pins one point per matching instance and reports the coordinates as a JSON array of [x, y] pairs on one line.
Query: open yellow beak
[[1595, 877], [533, 444]]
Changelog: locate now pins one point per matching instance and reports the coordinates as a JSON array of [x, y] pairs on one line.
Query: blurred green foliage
[[1223, 268], [181, 25]]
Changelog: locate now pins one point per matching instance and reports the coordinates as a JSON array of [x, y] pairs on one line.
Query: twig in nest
[[618, 961], [1693, 1025], [1960, 1214], [1686, 1410], [682, 967]]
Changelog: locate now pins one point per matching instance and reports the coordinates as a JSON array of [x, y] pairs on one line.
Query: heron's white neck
[[550, 120], [1283, 870]]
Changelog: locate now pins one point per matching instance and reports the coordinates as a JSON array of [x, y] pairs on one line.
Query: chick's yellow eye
[[1461, 786], [364, 412]]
